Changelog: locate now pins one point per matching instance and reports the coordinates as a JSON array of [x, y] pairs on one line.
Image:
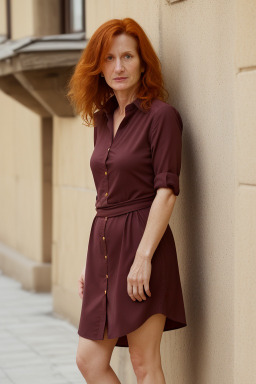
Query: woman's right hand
[[81, 284]]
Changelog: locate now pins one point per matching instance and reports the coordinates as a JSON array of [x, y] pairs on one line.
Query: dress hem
[[122, 339]]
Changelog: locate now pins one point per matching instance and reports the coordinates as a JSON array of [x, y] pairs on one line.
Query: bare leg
[[144, 348], [93, 358]]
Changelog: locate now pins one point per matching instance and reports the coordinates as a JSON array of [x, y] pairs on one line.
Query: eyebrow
[[110, 53]]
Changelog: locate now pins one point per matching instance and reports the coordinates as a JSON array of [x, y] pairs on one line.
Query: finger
[[80, 287], [141, 292], [80, 293], [129, 290], [147, 290], [135, 293]]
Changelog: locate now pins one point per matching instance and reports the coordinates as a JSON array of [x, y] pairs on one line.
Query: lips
[[120, 78]]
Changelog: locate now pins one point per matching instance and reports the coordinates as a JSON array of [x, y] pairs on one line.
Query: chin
[[123, 86], [120, 88]]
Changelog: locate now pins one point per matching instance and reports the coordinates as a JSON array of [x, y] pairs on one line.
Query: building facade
[[47, 193]]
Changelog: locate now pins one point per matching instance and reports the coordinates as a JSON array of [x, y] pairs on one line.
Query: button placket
[[106, 173], [105, 222], [105, 252]]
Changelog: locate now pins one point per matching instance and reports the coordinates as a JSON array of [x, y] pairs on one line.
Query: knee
[[83, 362], [144, 362], [88, 364]]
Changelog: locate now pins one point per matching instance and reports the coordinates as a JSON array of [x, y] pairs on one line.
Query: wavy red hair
[[88, 91]]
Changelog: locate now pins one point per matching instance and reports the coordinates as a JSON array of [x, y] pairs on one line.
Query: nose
[[118, 66]]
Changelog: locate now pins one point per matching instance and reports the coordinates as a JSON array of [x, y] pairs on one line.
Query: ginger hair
[[88, 91]]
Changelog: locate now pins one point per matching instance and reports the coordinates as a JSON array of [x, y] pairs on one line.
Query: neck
[[124, 100]]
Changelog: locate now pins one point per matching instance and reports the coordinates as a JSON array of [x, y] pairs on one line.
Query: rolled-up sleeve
[[166, 145]]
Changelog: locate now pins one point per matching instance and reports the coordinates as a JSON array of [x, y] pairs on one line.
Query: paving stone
[[2, 374], [19, 359], [70, 371], [37, 346], [5, 380], [12, 345]]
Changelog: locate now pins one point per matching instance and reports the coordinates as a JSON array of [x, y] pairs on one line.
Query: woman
[[130, 287]]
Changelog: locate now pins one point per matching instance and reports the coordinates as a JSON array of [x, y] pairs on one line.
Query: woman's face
[[122, 67]]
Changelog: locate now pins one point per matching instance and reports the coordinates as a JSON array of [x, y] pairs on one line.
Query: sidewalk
[[36, 347]]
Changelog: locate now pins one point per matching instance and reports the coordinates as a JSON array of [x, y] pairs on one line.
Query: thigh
[[98, 351], [147, 338]]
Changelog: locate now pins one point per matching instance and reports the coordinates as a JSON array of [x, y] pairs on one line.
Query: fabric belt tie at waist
[[125, 208]]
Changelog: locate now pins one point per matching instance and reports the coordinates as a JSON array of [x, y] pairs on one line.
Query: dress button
[[108, 149], [107, 276], [106, 194], [106, 257], [103, 238], [106, 218], [106, 173], [105, 292]]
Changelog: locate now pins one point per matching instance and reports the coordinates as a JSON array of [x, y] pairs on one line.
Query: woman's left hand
[[138, 278]]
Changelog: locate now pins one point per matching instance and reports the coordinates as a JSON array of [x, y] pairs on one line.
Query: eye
[[127, 56], [109, 58]]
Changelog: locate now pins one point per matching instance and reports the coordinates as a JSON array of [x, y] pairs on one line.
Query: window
[[6, 21], [8, 17], [73, 16]]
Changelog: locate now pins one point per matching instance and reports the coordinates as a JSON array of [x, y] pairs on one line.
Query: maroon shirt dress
[[144, 155]]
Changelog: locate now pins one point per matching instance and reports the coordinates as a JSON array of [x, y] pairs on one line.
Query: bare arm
[[158, 219]]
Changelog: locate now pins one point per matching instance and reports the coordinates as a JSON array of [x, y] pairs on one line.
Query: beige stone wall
[[195, 41], [245, 240], [25, 193], [145, 12], [74, 209], [20, 179]]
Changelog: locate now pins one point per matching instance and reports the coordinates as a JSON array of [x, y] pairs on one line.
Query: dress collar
[[112, 104]]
